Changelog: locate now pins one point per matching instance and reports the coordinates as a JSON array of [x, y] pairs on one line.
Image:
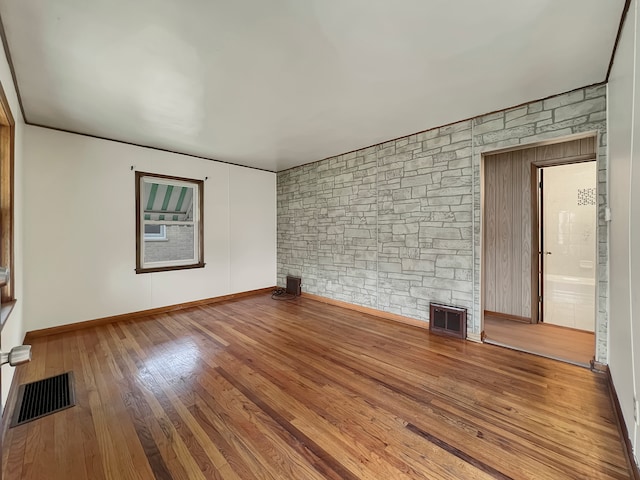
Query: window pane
[[153, 229], [178, 245], [164, 201], [156, 233]]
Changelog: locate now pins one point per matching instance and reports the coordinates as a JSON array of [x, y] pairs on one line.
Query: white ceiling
[[277, 83]]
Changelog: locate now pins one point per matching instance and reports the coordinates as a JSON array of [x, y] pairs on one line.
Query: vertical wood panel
[[571, 149], [587, 145], [508, 233], [503, 223], [557, 151], [516, 232], [528, 156], [490, 233]]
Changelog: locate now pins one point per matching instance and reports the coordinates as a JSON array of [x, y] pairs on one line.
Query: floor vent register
[[44, 397]]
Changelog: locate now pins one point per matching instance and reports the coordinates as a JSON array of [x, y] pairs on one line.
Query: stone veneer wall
[[397, 225]]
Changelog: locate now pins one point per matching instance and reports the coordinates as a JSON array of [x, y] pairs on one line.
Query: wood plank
[[517, 218], [576, 346], [588, 145], [489, 247], [260, 389], [504, 277], [528, 246], [507, 237]]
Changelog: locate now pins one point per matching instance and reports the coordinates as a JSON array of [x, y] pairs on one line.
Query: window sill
[[5, 311], [169, 268]]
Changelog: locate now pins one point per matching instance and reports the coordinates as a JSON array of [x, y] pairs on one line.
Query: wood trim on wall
[[544, 143], [623, 17], [597, 366], [622, 427], [369, 311], [536, 288], [7, 141], [139, 315]]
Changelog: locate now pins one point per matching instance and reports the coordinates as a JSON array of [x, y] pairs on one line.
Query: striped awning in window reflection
[[167, 202]]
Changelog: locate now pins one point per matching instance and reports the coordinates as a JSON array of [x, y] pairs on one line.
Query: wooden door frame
[[534, 217], [536, 255], [7, 136]]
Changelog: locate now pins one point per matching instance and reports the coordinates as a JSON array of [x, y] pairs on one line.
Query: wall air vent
[[449, 321]]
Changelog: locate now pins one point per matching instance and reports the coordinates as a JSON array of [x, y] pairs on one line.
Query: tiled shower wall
[[397, 225]]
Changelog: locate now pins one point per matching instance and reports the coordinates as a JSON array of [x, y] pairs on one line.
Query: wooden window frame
[[7, 141], [199, 186]]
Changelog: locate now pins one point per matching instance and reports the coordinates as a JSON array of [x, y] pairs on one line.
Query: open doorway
[[539, 253], [568, 223]]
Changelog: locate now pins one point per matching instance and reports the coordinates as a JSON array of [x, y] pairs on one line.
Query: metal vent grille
[[43, 397], [447, 320]]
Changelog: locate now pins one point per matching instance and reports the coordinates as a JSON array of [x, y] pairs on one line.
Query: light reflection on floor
[[172, 360]]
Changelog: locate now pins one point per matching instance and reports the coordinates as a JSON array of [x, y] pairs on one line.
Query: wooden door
[[507, 233]]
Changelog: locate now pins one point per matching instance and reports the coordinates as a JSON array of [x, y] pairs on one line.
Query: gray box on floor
[[294, 285]]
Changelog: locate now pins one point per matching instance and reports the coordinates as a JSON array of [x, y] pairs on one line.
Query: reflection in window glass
[[176, 244]]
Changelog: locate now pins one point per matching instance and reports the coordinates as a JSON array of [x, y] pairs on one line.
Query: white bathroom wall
[[80, 229], [570, 225]]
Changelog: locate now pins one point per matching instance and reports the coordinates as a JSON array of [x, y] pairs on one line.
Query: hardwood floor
[[261, 389], [567, 344]]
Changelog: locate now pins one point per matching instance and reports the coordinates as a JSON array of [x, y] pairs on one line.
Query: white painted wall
[[634, 233], [624, 171], [252, 218], [14, 330], [80, 229]]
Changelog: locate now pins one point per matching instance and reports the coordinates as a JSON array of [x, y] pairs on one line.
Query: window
[[169, 230], [7, 133], [155, 233]]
